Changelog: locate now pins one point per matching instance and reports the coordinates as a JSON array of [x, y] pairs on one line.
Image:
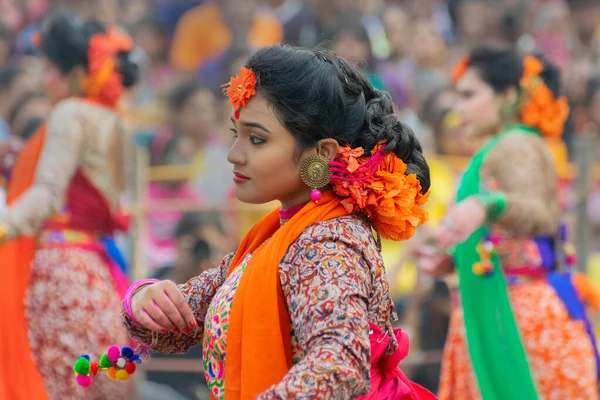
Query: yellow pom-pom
[[569, 249], [111, 373], [479, 269], [122, 375]]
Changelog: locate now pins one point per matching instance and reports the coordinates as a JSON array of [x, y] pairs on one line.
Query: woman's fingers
[[148, 323], [162, 307], [183, 308]]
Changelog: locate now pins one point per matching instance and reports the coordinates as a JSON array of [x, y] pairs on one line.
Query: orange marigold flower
[[397, 212], [103, 80], [350, 157], [460, 68], [531, 67], [241, 88], [540, 109], [391, 199]]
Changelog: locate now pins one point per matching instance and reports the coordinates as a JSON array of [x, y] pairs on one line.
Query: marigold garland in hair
[[391, 199], [540, 109], [103, 80]]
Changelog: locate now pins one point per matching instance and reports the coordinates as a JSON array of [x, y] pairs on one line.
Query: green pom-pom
[[105, 362], [82, 366]]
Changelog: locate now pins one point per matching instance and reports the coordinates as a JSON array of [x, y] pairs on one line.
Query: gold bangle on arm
[[3, 233]]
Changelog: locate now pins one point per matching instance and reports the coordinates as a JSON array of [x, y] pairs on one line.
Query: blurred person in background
[[194, 125], [507, 216], [429, 52], [28, 114], [584, 43], [12, 86], [32, 106], [397, 70], [208, 29], [169, 191], [149, 35], [475, 22], [63, 203], [350, 41]]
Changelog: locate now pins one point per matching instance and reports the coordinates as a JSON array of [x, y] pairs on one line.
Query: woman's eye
[[257, 140], [234, 132]]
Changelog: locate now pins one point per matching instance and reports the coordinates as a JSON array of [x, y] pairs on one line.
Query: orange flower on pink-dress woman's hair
[[103, 80], [241, 88]]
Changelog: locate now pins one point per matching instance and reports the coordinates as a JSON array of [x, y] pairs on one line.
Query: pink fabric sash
[[388, 382]]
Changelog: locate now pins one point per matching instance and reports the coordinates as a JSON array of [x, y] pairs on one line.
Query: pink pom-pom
[[84, 380], [113, 353], [571, 260], [315, 195]]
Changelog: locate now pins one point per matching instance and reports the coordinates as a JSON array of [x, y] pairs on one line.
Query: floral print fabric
[[334, 283]]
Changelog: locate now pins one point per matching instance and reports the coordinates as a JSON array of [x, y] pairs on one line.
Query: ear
[[511, 96], [328, 148]]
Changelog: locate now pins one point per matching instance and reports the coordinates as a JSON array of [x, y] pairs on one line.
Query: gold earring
[[315, 173]]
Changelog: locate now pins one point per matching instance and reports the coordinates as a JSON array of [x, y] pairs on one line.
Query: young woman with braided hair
[[302, 308]]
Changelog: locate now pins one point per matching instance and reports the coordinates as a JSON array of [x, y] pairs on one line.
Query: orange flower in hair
[[460, 68], [103, 81], [241, 88], [540, 109], [391, 199], [532, 67], [396, 208]]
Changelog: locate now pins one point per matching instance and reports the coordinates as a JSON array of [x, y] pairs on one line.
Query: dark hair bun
[[128, 69], [66, 40], [383, 125]]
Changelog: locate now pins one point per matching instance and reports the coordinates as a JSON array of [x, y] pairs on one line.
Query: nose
[[236, 155]]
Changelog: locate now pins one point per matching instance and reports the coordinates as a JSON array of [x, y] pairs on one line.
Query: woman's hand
[[161, 307], [433, 262], [463, 219]]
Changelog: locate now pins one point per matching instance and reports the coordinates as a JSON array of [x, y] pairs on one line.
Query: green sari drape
[[497, 354]]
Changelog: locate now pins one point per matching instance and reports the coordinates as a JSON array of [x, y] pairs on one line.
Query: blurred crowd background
[[181, 198]]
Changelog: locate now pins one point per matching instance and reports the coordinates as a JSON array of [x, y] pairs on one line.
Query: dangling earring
[[316, 174]]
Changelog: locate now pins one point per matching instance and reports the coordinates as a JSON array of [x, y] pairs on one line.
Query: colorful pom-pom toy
[[118, 363]]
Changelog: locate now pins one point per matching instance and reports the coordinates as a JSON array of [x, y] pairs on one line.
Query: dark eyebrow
[[252, 125], [255, 125]]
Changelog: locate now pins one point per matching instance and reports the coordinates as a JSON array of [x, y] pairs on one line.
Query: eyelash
[[254, 139]]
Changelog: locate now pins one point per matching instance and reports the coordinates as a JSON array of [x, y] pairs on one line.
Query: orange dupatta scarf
[[19, 376], [259, 339]]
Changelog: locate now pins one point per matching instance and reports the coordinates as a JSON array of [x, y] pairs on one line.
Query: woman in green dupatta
[[511, 336]]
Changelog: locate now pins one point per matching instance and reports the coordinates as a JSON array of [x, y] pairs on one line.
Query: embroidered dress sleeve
[[521, 169], [327, 284], [199, 292], [58, 162]]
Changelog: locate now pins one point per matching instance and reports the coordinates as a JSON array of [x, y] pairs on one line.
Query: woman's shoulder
[[74, 106], [351, 230]]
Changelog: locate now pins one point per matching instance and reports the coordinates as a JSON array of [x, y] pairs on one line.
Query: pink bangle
[[129, 295]]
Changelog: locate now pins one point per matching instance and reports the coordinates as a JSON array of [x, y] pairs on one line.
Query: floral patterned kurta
[[334, 283]]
